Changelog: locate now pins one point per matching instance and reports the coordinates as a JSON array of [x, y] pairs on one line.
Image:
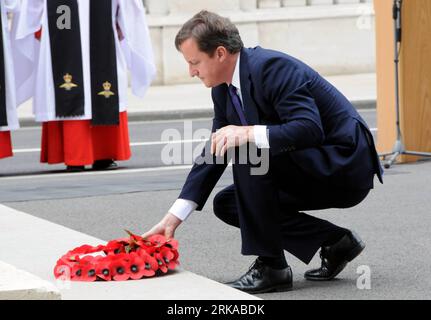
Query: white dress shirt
[[183, 208]]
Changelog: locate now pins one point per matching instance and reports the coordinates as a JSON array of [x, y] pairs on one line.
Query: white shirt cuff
[[183, 208], [261, 137]]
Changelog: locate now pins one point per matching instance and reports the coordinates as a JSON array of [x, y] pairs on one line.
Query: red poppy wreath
[[124, 259]]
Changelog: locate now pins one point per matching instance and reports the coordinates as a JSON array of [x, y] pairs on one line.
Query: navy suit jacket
[[309, 121]]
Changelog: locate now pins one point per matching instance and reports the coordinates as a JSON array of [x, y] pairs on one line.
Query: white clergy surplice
[[11, 6], [34, 75]]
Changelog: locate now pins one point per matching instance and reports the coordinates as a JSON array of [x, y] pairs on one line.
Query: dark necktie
[[237, 104]]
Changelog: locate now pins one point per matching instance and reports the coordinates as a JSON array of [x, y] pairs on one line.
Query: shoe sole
[[356, 251], [281, 288]]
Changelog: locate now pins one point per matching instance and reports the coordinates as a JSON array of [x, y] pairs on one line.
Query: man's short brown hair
[[210, 31]]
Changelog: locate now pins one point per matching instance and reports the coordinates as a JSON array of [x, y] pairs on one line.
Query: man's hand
[[166, 227], [230, 137]]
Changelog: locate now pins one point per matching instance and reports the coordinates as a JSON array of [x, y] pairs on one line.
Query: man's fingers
[[224, 139], [169, 235], [219, 146], [223, 150], [230, 143], [153, 231], [146, 235], [213, 143], [149, 233]]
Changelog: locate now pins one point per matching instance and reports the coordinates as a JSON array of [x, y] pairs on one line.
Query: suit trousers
[[270, 217]]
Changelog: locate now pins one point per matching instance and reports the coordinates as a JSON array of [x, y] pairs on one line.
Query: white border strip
[[135, 144], [98, 173]]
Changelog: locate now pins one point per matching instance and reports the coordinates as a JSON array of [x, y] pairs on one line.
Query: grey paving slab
[[394, 222]]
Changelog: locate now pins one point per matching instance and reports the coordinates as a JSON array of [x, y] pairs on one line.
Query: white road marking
[[157, 143], [25, 150], [98, 173], [134, 144]]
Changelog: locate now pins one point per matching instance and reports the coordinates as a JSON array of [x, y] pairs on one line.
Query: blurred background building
[[336, 37]]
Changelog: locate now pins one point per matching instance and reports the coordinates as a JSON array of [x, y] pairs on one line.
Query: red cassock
[[78, 143], [5, 145]]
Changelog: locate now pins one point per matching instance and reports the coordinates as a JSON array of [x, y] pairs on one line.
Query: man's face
[[201, 65]]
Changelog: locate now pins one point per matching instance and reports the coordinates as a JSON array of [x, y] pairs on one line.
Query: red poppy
[[77, 272], [99, 248], [104, 269], [84, 270], [150, 264], [176, 256], [171, 259], [63, 272], [89, 273], [144, 244], [137, 266], [83, 249], [124, 241], [120, 267], [158, 240], [67, 261], [146, 249], [172, 244], [165, 260], [114, 247], [86, 260], [134, 237], [136, 242], [72, 258]]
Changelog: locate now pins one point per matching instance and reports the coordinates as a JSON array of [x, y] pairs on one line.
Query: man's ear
[[221, 53]]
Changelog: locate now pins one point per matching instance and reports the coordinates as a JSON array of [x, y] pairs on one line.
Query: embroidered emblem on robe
[[107, 93], [68, 85]]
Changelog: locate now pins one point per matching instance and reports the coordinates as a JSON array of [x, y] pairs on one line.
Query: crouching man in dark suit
[[321, 155]]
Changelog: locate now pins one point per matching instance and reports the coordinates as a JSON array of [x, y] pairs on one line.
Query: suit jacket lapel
[[250, 108]]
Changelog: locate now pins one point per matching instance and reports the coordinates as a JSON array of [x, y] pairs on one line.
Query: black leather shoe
[[261, 279], [335, 257], [75, 168], [105, 165]]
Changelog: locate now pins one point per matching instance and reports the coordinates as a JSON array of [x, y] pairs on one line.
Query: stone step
[[34, 245], [20, 285]]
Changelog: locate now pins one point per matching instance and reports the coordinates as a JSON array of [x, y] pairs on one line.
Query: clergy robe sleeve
[[12, 5], [25, 46], [287, 88], [204, 176], [133, 23], [9, 6]]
